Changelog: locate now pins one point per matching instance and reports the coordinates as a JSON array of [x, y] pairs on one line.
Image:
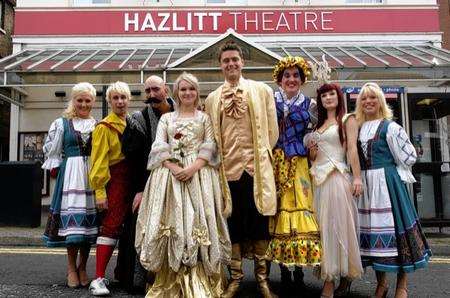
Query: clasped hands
[[182, 174]]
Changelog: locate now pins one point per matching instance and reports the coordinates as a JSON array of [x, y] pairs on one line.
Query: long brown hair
[[340, 109]]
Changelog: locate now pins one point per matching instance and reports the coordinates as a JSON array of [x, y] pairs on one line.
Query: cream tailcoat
[[263, 117]]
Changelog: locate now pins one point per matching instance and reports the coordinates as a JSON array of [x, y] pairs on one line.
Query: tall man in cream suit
[[245, 128]]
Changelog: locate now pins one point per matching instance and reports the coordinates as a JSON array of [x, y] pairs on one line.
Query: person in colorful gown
[[391, 238], [335, 138], [245, 127], [72, 220], [295, 234], [109, 177], [181, 231]]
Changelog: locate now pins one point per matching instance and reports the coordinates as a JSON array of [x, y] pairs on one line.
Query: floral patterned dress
[[181, 233]]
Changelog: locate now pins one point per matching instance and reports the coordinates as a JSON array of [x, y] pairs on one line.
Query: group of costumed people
[[269, 176]]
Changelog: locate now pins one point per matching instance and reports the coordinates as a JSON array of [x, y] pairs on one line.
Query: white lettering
[[175, 23], [162, 25], [247, 21], [200, 16], [189, 21], [282, 22], [308, 20], [215, 16], [148, 23], [235, 14], [265, 21], [323, 13], [129, 22], [295, 14]]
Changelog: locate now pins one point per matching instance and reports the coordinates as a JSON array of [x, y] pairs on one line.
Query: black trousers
[[129, 272], [245, 222]]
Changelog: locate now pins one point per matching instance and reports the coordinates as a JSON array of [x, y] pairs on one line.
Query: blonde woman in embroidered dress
[[72, 221], [391, 237], [181, 231], [335, 192]]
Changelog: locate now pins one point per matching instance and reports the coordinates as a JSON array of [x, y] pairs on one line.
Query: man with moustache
[[245, 128], [137, 141]]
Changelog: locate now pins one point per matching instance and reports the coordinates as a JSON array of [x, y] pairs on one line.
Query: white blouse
[[53, 145], [398, 141]]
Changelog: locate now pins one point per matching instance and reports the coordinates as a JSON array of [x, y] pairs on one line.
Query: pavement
[[438, 239]]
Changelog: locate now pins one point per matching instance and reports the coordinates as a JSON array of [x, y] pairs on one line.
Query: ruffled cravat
[[234, 102]]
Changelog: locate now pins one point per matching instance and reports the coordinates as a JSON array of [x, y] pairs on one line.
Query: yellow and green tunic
[[294, 229]]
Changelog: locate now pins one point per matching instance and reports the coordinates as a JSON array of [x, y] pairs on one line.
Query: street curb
[[35, 240]]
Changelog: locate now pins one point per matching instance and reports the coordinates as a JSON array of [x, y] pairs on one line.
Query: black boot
[[298, 278], [286, 281]]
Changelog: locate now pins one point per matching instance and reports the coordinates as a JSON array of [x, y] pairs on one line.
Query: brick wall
[[444, 16]]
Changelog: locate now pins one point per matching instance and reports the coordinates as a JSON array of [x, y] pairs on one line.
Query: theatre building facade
[[394, 43]]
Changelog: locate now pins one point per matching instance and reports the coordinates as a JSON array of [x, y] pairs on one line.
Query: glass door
[[430, 122]]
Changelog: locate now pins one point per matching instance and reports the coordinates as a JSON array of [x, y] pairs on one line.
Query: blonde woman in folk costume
[[335, 192], [295, 234], [72, 221], [391, 237], [181, 231]]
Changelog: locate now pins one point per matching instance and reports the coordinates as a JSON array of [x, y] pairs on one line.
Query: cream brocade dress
[[181, 234], [336, 209]]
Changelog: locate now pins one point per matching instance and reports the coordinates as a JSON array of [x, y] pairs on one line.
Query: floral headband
[[288, 62]]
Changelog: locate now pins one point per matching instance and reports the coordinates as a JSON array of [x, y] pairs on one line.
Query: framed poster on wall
[[31, 148]]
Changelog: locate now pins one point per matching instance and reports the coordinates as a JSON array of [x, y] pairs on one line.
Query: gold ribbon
[[200, 235]]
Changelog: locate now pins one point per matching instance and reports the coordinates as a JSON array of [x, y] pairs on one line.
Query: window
[[364, 1], [90, 2], [231, 2]]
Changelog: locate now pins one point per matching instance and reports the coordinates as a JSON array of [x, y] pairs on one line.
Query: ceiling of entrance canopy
[[139, 59]]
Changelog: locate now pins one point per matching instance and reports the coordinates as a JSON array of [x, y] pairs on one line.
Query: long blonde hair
[[78, 89], [367, 90], [191, 79]]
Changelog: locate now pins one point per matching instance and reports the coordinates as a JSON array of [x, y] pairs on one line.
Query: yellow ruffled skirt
[[188, 282], [294, 229]]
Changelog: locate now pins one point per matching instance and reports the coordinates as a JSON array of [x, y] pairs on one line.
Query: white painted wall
[[147, 3]]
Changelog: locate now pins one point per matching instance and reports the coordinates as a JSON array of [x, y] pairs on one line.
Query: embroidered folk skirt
[[391, 238]]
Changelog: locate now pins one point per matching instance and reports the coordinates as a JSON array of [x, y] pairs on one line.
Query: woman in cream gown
[[181, 231], [335, 203]]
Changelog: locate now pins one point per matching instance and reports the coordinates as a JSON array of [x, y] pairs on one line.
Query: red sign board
[[213, 21]]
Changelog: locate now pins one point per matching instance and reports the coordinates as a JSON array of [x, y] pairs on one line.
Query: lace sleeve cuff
[[405, 174], [160, 152], [208, 152]]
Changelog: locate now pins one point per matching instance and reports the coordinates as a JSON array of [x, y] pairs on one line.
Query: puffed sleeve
[[161, 150], [53, 145], [208, 149], [99, 174], [402, 150]]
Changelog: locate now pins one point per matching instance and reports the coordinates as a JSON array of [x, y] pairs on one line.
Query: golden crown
[[288, 62]]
